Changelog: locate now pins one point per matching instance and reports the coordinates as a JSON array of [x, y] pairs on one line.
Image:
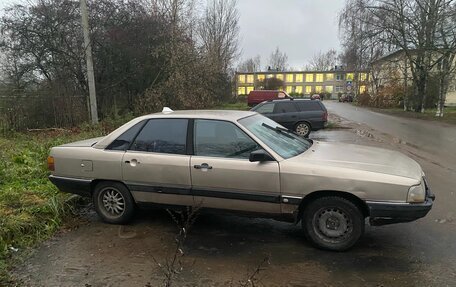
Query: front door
[[222, 175], [156, 167]]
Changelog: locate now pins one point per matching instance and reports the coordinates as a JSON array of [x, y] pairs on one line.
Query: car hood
[[83, 143], [362, 158]]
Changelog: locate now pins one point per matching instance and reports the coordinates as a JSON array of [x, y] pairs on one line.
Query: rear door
[[286, 113], [312, 112], [156, 165], [222, 175]]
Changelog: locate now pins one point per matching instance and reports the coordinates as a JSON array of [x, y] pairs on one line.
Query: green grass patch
[[31, 208], [233, 106]]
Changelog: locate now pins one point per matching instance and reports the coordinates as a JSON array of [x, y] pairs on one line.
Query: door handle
[[132, 162], [202, 166]]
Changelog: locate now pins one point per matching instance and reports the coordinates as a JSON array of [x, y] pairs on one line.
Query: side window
[[285, 107], [125, 139], [162, 136], [222, 139], [265, 109], [309, 106]]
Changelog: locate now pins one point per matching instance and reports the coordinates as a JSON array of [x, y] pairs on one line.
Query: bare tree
[[446, 67], [218, 32], [323, 61], [278, 60], [250, 65], [407, 25]]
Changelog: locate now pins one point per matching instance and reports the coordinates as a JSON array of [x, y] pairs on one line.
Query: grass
[[31, 208], [429, 114], [233, 106]]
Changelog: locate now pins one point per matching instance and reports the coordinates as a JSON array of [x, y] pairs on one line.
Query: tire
[[302, 129], [113, 202], [333, 223]]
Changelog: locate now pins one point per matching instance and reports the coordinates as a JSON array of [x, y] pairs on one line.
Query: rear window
[[123, 141], [309, 106], [285, 107], [265, 108]]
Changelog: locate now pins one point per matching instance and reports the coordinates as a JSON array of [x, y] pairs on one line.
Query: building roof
[[388, 56]]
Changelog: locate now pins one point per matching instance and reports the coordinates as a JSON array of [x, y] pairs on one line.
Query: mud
[[224, 250]]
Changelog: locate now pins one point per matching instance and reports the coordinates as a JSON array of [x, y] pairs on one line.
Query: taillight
[[325, 116], [50, 163]]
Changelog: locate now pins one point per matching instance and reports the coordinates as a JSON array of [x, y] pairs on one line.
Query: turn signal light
[[50, 163]]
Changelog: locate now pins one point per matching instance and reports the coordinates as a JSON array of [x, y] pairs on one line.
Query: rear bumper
[[72, 185], [382, 213]]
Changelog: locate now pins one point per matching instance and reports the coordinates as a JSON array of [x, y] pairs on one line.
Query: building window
[[329, 77], [260, 77], [249, 89], [318, 89], [298, 89], [241, 90], [249, 78], [279, 76], [299, 78], [339, 89], [289, 89], [362, 89], [309, 78], [269, 76], [319, 78], [241, 78], [350, 76], [362, 77], [329, 89], [339, 77], [308, 89], [289, 78]]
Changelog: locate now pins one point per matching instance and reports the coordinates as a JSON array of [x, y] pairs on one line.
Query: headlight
[[416, 193]]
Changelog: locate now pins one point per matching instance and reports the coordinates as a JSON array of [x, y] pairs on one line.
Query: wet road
[[432, 137], [223, 250]]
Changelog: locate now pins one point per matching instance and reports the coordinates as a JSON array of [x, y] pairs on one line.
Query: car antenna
[[167, 110]]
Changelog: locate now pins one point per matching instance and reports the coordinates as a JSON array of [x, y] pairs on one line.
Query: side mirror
[[260, 155]]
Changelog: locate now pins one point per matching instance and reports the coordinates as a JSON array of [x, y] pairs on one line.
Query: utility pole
[[89, 60]]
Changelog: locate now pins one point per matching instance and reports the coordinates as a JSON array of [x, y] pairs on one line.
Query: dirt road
[[226, 249]]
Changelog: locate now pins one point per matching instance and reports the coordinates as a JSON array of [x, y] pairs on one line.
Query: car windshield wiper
[[283, 131]]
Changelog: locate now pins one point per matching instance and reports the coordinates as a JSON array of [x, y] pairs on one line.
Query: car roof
[[228, 115], [231, 115], [289, 100]]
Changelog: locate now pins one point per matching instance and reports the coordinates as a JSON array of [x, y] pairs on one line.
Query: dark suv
[[302, 116]]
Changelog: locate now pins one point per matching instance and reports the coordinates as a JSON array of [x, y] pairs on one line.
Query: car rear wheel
[[333, 223], [113, 202], [302, 129]]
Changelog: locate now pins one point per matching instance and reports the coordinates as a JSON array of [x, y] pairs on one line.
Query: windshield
[[282, 141]]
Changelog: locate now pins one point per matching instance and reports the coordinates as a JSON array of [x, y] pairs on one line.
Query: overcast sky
[[300, 28]]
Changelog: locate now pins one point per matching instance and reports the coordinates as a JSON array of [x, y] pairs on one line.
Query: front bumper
[[382, 213], [72, 185]]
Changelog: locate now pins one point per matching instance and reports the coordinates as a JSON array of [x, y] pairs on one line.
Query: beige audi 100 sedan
[[242, 161]]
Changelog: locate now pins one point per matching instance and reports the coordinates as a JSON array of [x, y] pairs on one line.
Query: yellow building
[[306, 83]]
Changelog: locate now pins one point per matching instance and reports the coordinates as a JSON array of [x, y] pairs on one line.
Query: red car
[[258, 96]]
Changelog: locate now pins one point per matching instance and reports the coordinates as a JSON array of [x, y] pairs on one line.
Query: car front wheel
[[302, 129], [333, 223], [113, 202]]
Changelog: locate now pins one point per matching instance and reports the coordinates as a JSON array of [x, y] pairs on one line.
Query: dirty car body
[[243, 162]]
